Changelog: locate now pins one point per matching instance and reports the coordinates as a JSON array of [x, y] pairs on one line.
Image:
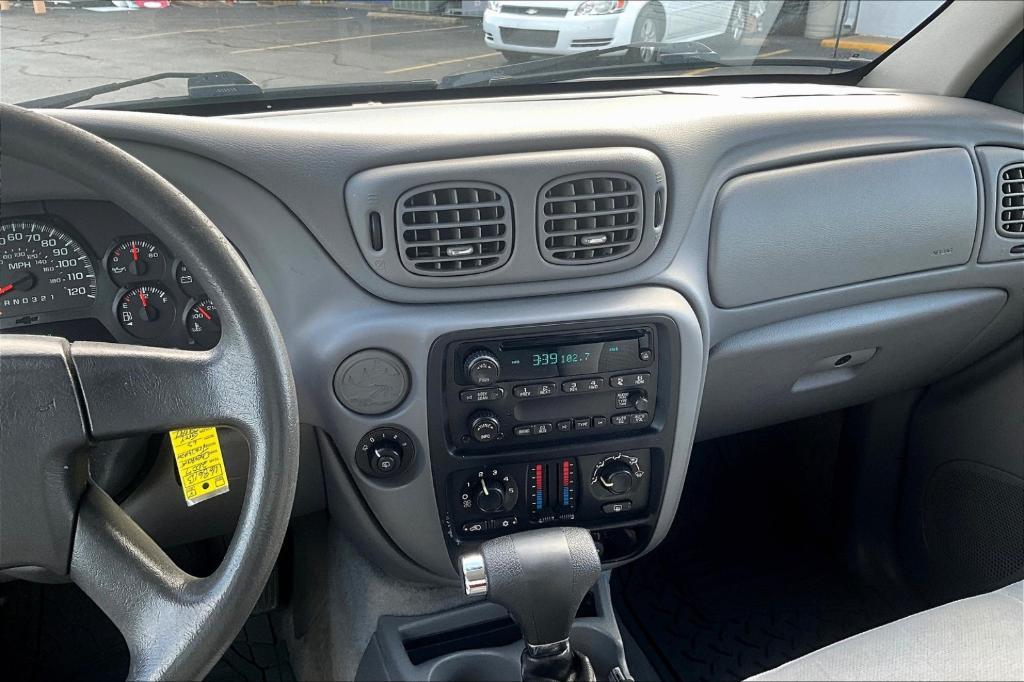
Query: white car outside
[[522, 28]]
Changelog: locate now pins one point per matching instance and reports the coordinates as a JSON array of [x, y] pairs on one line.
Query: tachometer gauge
[[42, 269], [145, 312], [204, 324], [135, 260]]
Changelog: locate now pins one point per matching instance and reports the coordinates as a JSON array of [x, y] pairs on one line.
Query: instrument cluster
[[67, 265]]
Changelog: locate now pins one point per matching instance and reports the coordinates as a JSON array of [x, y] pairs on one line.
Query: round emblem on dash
[[371, 382]]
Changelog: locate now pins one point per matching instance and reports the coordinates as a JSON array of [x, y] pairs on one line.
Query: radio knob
[[482, 368], [484, 426], [639, 401]]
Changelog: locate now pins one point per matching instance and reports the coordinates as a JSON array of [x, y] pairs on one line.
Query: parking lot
[[280, 45]]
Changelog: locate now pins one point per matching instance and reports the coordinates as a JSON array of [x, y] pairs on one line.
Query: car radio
[[509, 391], [557, 424]]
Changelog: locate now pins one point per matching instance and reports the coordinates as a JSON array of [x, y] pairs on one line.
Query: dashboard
[[87, 271], [466, 310]]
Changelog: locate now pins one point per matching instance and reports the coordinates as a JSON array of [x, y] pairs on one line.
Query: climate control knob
[[482, 368], [484, 426], [490, 498], [616, 475]]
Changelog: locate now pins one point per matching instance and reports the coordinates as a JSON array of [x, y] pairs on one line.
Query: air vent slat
[[590, 219], [454, 229], [1010, 220]]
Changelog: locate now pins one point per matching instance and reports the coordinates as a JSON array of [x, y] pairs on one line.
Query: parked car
[[521, 29]]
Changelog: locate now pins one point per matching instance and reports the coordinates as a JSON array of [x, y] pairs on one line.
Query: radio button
[[481, 395], [646, 355], [592, 384], [564, 425], [534, 390], [542, 429], [522, 431], [570, 387], [631, 380], [600, 422], [620, 419], [639, 418], [581, 423], [523, 391]]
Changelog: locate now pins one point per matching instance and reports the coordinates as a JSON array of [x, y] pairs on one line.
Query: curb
[[427, 18], [860, 43]]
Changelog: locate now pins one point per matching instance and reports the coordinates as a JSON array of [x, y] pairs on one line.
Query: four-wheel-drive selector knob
[[482, 368], [484, 426]]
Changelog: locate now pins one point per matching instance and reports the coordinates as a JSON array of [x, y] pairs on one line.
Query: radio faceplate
[[507, 392]]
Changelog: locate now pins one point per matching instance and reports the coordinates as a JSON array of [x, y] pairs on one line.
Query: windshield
[[109, 52]]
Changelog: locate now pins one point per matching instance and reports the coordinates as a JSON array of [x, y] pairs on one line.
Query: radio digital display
[[567, 360]]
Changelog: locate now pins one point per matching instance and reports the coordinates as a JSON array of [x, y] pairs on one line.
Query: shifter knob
[[540, 576]]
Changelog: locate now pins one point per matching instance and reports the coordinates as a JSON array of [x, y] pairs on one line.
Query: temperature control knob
[[482, 368], [484, 426], [616, 475]]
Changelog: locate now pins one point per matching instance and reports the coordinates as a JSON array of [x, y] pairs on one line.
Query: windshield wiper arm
[[200, 84]]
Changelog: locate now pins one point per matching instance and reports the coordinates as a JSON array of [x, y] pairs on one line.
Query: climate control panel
[[589, 490]]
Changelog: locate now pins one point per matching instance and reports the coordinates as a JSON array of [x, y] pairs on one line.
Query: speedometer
[[42, 269]]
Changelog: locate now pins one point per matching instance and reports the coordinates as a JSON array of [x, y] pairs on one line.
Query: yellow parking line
[[771, 54], [442, 63], [343, 40], [229, 28]]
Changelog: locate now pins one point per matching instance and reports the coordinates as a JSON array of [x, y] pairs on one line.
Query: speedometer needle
[[10, 287]]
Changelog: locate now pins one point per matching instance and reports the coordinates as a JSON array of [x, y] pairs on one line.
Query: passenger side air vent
[[1011, 201], [586, 219], [454, 229]]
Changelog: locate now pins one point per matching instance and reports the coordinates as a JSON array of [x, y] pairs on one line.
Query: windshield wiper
[[200, 84], [670, 57]]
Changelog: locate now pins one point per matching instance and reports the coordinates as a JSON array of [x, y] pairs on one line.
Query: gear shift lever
[[540, 576]]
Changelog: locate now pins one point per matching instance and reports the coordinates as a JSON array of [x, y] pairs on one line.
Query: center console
[[558, 424]]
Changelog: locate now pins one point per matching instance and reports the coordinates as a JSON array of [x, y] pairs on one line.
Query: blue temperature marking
[[565, 496], [540, 500]]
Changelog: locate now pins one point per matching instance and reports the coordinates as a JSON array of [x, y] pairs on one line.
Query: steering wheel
[[57, 397]]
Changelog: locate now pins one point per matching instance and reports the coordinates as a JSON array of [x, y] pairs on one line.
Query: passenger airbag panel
[[795, 230]]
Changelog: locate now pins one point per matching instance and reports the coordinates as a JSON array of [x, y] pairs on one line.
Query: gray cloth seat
[[980, 638]]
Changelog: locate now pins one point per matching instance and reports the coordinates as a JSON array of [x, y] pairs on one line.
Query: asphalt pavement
[[279, 45]]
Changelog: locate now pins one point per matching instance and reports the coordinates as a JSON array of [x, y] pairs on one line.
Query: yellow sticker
[[200, 463]]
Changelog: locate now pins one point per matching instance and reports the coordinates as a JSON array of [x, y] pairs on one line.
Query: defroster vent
[[590, 218], [1011, 201], [454, 229]]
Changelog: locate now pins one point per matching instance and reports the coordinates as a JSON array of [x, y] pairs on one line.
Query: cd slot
[[556, 340]]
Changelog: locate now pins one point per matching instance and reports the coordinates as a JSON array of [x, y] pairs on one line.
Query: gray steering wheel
[[56, 397]]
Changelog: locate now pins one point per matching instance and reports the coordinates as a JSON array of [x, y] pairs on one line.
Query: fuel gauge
[[145, 312], [204, 323]]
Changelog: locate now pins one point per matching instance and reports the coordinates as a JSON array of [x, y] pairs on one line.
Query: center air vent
[[587, 219], [454, 229], [1011, 201]]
